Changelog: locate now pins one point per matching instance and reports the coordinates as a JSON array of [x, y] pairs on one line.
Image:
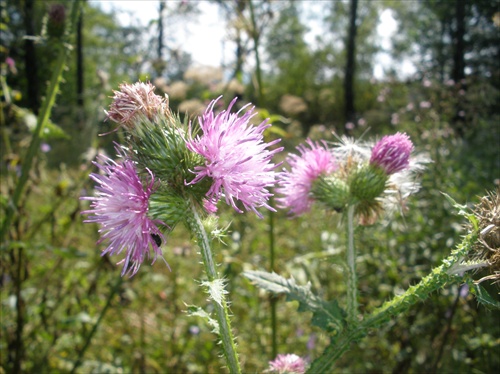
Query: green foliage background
[[66, 284]]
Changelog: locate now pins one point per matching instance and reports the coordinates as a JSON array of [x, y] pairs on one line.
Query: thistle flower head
[[120, 207], [287, 363], [487, 248], [135, 100], [295, 185], [237, 160], [392, 153]]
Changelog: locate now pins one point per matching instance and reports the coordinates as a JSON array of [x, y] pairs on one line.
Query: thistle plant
[[173, 172], [362, 181]]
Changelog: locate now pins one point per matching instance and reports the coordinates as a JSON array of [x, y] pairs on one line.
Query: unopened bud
[[56, 20], [332, 192], [368, 183]]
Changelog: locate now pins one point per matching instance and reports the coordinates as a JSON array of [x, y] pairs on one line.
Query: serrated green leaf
[[485, 298], [326, 315], [463, 210]]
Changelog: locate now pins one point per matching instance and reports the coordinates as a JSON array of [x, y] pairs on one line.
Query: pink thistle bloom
[[133, 100], [295, 185], [236, 158], [289, 363], [392, 153], [120, 207]]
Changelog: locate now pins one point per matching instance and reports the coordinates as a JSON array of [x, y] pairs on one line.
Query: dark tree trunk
[[240, 50], [458, 73], [30, 64], [351, 62], [161, 46], [459, 51], [79, 61]]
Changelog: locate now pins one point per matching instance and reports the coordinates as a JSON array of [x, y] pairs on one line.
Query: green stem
[[437, 279], [113, 292], [273, 299], [352, 286], [43, 116], [221, 309]]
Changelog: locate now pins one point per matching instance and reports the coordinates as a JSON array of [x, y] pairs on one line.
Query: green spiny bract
[[161, 147], [332, 192], [367, 183]]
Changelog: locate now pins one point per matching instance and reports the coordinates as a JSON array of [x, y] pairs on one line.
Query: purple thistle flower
[[120, 207], [236, 158], [289, 363], [392, 153], [295, 185]]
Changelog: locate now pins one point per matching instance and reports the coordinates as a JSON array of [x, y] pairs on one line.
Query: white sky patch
[[203, 37], [386, 29]]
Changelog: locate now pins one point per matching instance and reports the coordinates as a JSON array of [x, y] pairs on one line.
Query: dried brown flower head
[[136, 99], [487, 248]]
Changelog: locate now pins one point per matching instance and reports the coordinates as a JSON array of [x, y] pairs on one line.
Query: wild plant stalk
[[90, 336], [13, 205], [43, 117], [273, 299], [216, 290], [437, 279], [352, 286], [254, 32]]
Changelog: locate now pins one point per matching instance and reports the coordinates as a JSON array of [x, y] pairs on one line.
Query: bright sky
[[206, 40], [203, 39]]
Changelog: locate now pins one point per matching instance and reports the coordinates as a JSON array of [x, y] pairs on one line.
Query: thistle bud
[[56, 20], [331, 191], [367, 182]]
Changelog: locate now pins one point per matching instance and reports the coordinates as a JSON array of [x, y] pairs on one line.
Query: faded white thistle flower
[[135, 100]]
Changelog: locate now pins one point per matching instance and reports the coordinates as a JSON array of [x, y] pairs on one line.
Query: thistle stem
[[352, 293], [221, 309], [438, 278]]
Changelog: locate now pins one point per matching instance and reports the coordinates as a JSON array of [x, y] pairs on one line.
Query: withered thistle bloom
[[237, 160], [287, 363], [135, 100], [392, 153], [120, 207], [487, 248], [295, 185]]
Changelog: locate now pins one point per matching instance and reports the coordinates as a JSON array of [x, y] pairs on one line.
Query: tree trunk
[[160, 31], [30, 64], [459, 51], [79, 61], [350, 65], [240, 49], [458, 73]]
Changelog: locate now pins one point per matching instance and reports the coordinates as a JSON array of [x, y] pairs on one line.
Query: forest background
[[65, 308]]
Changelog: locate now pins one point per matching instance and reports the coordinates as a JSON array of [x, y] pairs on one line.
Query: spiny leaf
[[485, 298], [216, 290], [463, 210], [326, 315], [196, 311]]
